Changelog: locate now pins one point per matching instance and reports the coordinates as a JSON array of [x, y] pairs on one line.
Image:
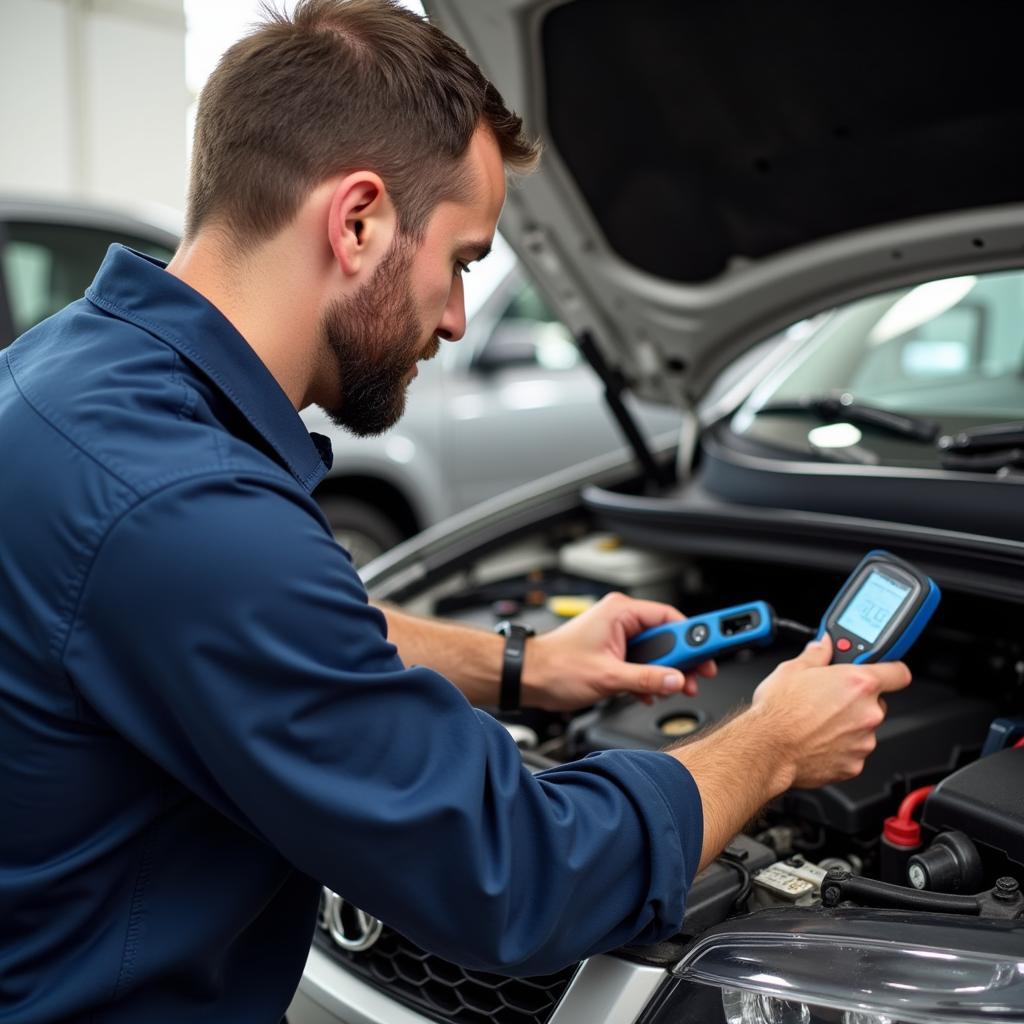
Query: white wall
[[93, 99]]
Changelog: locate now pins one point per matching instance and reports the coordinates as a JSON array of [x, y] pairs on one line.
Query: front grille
[[446, 992]]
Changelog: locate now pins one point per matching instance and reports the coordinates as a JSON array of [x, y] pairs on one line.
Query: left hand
[[582, 661]]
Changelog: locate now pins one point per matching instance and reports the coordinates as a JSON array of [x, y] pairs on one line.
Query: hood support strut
[[614, 386]]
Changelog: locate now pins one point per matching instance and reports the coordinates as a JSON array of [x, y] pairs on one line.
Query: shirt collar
[[138, 289]]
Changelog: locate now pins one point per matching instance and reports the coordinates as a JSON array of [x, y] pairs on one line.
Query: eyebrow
[[475, 250]]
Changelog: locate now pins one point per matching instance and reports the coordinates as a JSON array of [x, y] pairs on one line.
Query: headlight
[[850, 967], [742, 1007]]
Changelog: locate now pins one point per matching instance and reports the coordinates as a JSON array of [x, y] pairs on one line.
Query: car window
[[951, 350], [942, 334], [46, 266], [528, 334], [949, 347]]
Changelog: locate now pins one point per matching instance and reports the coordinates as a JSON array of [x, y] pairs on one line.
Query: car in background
[[480, 418], [50, 252], [513, 401], [712, 173]]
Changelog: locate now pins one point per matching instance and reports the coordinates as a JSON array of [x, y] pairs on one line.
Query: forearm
[[738, 768], [467, 656], [573, 666]]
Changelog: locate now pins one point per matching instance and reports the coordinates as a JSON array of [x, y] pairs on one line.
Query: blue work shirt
[[202, 719]]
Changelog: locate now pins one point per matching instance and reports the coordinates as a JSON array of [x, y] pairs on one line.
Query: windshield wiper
[[1002, 462], [989, 438], [841, 406], [994, 448]]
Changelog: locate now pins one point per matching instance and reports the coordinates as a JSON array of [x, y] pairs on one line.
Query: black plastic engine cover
[[985, 799], [930, 730]]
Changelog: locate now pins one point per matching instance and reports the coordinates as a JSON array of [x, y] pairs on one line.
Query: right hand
[[824, 716]]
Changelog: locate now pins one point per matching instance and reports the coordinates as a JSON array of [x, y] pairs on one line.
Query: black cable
[[745, 880], [789, 626]]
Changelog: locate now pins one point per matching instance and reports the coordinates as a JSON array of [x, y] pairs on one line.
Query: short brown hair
[[340, 85]]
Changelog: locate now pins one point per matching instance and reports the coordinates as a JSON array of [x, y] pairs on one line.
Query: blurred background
[[99, 95], [99, 105]]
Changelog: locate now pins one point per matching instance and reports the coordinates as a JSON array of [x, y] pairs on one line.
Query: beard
[[373, 340]]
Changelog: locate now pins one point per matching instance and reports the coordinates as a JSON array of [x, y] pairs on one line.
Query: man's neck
[[266, 300]]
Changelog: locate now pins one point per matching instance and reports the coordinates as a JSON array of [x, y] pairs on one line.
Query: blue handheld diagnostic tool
[[684, 645], [880, 610]]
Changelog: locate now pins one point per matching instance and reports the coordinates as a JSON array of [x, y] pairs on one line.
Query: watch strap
[[512, 663]]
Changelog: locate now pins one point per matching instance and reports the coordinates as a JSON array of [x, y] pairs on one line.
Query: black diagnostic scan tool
[[877, 615], [880, 610]]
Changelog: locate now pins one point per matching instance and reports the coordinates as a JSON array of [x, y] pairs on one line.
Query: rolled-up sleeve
[[223, 633]]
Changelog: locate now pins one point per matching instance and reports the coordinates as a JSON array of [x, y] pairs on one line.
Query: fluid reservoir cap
[[568, 606], [603, 556], [679, 725], [901, 832], [950, 864]]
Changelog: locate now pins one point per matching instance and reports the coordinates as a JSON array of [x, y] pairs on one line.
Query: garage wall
[[94, 99]]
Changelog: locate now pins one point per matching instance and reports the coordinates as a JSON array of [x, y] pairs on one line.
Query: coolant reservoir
[[603, 557]]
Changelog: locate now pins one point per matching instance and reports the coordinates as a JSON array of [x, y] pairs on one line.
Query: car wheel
[[361, 529]]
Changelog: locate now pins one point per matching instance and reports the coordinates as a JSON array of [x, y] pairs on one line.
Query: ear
[[361, 221]]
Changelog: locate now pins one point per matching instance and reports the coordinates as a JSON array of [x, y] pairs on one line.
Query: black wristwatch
[[512, 663]]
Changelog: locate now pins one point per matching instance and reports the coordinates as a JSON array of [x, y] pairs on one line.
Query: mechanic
[[202, 718]]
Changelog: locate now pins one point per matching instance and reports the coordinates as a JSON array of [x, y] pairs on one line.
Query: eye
[[461, 267]]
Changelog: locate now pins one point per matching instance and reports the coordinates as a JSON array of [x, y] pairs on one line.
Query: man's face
[[413, 299], [374, 340]]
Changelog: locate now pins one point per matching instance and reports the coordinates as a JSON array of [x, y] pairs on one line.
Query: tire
[[361, 529]]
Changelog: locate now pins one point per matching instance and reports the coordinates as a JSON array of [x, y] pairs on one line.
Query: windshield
[[951, 350]]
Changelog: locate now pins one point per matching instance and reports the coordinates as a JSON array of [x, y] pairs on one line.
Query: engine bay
[[930, 824]]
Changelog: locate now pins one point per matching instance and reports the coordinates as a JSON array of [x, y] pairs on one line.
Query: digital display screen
[[877, 600]]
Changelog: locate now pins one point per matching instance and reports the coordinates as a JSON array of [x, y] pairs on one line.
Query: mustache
[[432, 348]]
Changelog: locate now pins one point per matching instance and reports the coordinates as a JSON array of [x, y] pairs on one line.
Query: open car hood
[[716, 171]]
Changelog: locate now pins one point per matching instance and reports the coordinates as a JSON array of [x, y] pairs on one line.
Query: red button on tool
[[842, 644]]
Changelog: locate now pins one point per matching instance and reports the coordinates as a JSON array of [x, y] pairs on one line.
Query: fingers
[[891, 675], [644, 613], [816, 654], [651, 680], [707, 669]]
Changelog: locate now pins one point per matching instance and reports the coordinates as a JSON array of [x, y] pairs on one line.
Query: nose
[[452, 325]]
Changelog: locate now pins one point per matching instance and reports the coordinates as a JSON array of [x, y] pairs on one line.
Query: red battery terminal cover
[[901, 829]]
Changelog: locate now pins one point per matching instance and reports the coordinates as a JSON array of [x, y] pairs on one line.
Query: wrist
[[535, 677], [749, 741], [510, 687]]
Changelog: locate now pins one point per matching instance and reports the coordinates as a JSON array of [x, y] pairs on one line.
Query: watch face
[[507, 628]]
